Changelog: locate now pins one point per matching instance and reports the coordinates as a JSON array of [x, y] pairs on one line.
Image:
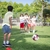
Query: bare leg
[[25, 28], [5, 35], [28, 29], [33, 29], [8, 38]]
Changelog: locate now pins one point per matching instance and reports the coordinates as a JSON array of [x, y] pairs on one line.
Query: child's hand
[[10, 27]]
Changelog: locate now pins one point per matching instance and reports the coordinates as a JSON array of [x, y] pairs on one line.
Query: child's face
[[21, 15], [33, 16]]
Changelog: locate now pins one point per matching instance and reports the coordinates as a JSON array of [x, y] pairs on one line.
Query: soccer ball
[[35, 37]]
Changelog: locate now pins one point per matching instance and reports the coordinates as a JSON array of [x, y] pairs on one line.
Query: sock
[[7, 42], [29, 31], [4, 42], [33, 31]]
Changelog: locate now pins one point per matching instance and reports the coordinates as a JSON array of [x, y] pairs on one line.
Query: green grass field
[[23, 41]]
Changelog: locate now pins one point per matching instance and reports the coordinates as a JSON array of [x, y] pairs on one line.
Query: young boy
[[29, 24], [33, 23], [25, 21], [7, 25], [22, 22]]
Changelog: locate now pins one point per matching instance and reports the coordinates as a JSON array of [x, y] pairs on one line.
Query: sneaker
[[29, 32], [8, 44], [33, 31], [3, 44]]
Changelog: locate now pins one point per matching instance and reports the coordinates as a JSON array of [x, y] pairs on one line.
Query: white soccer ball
[[35, 37]]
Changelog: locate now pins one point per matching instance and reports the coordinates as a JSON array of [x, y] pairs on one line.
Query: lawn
[[23, 41]]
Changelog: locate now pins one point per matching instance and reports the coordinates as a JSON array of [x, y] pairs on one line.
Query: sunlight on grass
[[12, 39], [24, 41], [19, 41]]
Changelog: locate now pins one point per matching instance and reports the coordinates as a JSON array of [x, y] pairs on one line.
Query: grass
[[23, 41]]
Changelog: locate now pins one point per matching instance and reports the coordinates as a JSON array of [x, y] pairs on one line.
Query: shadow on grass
[[15, 31], [19, 42], [44, 36], [30, 46]]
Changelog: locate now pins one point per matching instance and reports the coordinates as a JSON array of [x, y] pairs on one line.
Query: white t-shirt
[[33, 20], [21, 19], [25, 18], [6, 18], [28, 20]]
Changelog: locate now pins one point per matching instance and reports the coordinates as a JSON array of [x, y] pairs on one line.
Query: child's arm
[[10, 22]]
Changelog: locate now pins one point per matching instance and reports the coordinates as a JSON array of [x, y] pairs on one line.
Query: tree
[[43, 6], [3, 8], [26, 8], [35, 7]]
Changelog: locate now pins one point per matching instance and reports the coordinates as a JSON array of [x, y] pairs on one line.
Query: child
[[33, 23], [29, 24], [25, 21], [7, 25], [21, 22]]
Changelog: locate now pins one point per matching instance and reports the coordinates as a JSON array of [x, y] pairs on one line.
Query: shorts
[[6, 29], [21, 25], [29, 25], [26, 24], [33, 24]]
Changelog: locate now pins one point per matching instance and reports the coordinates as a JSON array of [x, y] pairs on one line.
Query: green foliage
[[31, 9], [46, 12], [48, 19], [3, 8], [18, 8], [26, 8]]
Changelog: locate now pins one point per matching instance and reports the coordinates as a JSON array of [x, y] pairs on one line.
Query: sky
[[21, 1]]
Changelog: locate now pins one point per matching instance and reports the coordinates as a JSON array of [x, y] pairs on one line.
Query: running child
[[21, 22], [33, 23]]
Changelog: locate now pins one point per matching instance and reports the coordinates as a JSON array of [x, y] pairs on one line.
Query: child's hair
[[21, 15], [34, 16], [26, 14], [10, 8]]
